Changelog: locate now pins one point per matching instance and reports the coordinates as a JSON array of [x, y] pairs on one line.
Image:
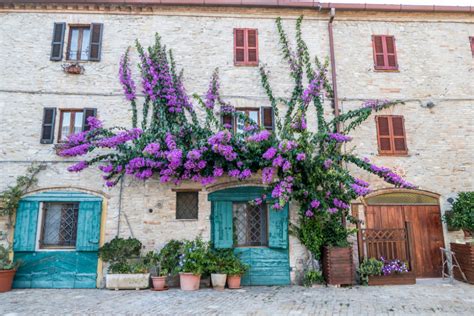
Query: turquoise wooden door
[[75, 267], [269, 264]]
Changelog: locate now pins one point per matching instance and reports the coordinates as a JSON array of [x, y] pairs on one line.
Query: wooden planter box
[[338, 267], [465, 255], [393, 279]]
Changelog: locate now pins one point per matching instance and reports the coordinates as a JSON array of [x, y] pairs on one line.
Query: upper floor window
[[70, 122], [84, 42], [263, 117], [391, 136], [245, 47], [385, 54]]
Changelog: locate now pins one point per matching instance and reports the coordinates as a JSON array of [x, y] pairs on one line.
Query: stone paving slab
[[420, 299]]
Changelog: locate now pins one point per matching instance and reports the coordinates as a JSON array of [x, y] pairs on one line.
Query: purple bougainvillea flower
[[327, 164], [333, 210], [300, 156], [315, 203], [152, 148], [81, 165], [309, 213], [270, 153], [339, 138]]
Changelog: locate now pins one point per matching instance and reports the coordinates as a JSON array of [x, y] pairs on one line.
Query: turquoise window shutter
[[88, 226], [278, 228], [222, 224], [25, 226]]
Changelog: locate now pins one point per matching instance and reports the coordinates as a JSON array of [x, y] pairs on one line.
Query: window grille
[[187, 205], [59, 225], [250, 224]]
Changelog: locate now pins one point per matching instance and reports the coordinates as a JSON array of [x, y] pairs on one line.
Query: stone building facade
[[435, 65]]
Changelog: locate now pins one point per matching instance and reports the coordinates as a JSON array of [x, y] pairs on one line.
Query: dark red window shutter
[[385, 52], [95, 45], [88, 112], [57, 43], [245, 47], [228, 120], [391, 136], [471, 39], [267, 118], [47, 130]]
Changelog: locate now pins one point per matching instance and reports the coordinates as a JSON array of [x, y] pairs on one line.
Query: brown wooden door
[[427, 232]]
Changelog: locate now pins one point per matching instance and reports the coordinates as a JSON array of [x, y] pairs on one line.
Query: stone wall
[[435, 64]]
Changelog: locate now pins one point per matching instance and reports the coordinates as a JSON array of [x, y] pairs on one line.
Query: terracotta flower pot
[[159, 282], [6, 280], [189, 281], [233, 281], [218, 281]]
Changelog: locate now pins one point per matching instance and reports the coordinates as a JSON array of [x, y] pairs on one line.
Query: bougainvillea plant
[[294, 162]]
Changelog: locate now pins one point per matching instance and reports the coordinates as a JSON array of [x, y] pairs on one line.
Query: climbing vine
[[294, 162]]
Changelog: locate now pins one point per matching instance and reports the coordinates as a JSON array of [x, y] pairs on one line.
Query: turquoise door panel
[[268, 265], [25, 226], [88, 226], [57, 268]]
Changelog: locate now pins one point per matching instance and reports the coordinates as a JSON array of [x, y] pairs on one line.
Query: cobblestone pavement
[[421, 299]]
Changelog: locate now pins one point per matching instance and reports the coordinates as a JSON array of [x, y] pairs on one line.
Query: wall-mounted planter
[[465, 255], [127, 281], [73, 69], [393, 279], [338, 266]]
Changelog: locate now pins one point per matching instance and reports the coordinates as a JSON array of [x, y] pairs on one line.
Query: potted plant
[[163, 264], [126, 269], [462, 217], [193, 261], [7, 270], [369, 267], [385, 272], [220, 261], [235, 270]]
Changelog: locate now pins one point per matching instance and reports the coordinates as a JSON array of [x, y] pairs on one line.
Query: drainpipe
[[333, 65]]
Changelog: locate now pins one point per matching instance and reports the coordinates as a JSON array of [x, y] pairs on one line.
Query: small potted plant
[[7, 270], [126, 269], [235, 270], [163, 264], [221, 260], [193, 261], [158, 274], [368, 268]]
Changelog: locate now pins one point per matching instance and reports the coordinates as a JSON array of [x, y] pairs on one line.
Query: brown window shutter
[[383, 134], [88, 112], [385, 52], [58, 41], [471, 39], [398, 131], [267, 118], [47, 130], [377, 44], [239, 46], [252, 47], [95, 45], [228, 119], [391, 55]]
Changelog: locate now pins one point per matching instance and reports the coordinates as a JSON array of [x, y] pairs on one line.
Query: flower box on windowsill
[[393, 279], [73, 69]]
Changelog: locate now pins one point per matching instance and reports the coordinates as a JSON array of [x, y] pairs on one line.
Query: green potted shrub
[[220, 261], [462, 217], [369, 267], [313, 278], [235, 270], [163, 264], [7, 270], [126, 269], [193, 262]]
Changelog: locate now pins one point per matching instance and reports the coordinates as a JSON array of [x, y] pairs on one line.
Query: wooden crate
[[338, 266], [465, 255], [393, 279]]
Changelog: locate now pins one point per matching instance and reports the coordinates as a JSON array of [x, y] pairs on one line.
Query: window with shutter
[[85, 42], [58, 41], [47, 130], [391, 136], [245, 47], [385, 54], [267, 118], [70, 122]]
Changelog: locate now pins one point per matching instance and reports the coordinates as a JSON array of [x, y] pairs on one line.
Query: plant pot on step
[[6, 280], [159, 282], [233, 281], [189, 281], [218, 281]]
